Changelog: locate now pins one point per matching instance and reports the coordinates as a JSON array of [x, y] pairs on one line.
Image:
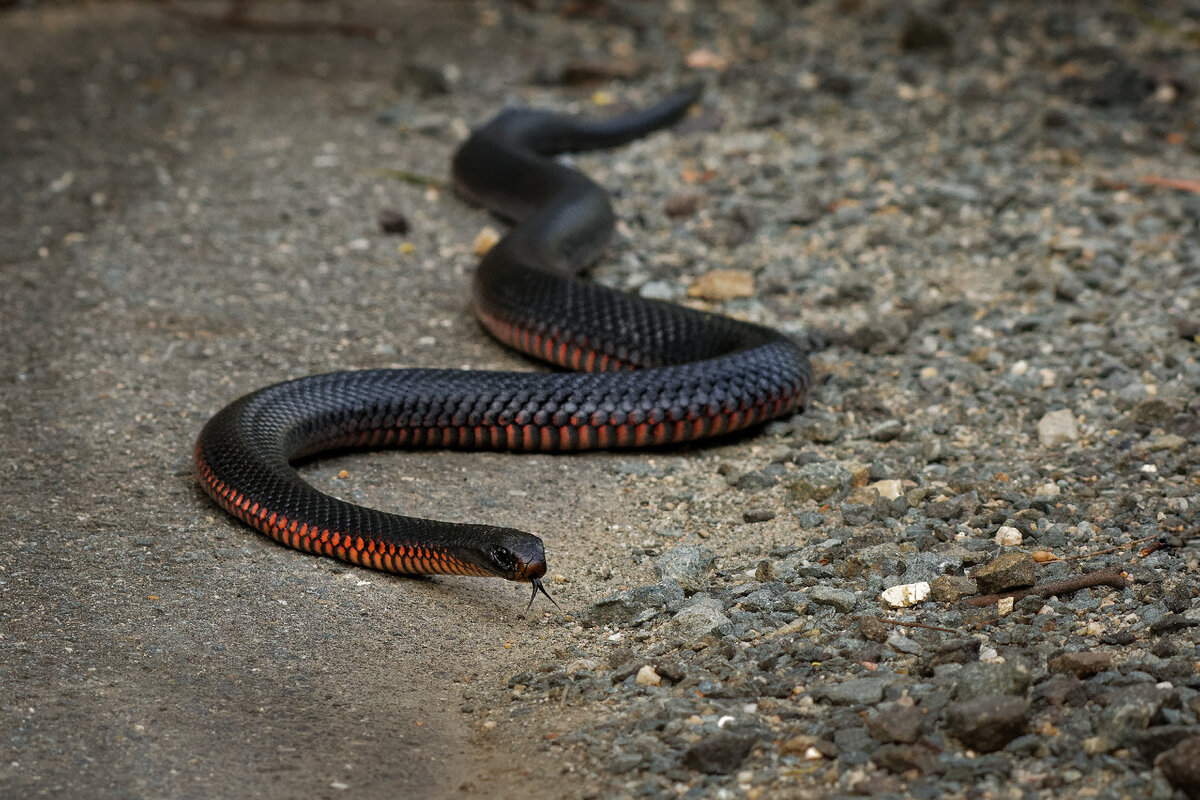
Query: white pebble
[[647, 677], [1008, 536], [1057, 428], [904, 595]]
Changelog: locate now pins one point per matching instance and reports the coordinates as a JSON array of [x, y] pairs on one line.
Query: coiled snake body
[[653, 372]]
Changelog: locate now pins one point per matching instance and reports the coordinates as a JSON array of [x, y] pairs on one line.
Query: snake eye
[[504, 559]]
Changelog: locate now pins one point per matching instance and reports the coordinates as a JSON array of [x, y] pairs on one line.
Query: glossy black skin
[[693, 367]]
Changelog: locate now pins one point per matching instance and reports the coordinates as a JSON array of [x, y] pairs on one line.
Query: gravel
[[952, 204]]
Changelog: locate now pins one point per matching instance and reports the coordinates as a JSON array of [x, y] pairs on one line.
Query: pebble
[[905, 594], [646, 676], [1083, 665], [722, 284], [952, 588], [1181, 767], [1008, 536], [1057, 428], [627, 605], [895, 723], [856, 692], [842, 600], [817, 481], [687, 565], [699, 617], [719, 753], [987, 724], [1008, 570]]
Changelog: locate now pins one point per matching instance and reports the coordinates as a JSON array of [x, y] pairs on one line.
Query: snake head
[[519, 556], [513, 554]]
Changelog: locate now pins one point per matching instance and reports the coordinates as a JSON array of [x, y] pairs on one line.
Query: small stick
[[1104, 577], [1109, 550]]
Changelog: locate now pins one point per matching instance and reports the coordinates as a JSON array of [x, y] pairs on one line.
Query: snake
[[629, 371]]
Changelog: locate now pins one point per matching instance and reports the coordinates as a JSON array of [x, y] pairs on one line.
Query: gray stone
[[856, 692], [903, 758], [1009, 570], [687, 565], [720, 753], [951, 588], [843, 600], [987, 724], [895, 723], [818, 481], [982, 679], [698, 618], [1129, 710], [632, 603], [1181, 767], [930, 566]]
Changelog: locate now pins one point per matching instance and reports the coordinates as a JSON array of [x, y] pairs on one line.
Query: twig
[[1182, 184], [1104, 577], [1108, 550]]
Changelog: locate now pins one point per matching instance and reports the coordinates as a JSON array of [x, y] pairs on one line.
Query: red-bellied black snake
[[652, 372]]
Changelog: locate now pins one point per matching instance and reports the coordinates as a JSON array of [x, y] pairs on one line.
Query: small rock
[[986, 679], [625, 606], [887, 430], [817, 481], [901, 758], [895, 723], [843, 600], [953, 651], [719, 754], [723, 284], [1181, 767], [687, 565], [952, 588], [393, 221], [1129, 711], [987, 724], [758, 515], [1155, 411], [683, 205], [646, 676], [1057, 428], [959, 507], [1166, 441], [1081, 665], [872, 629], [697, 619], [905, 595], [1008, 570], [1160, 738], [887, 489], [1062, 690], [1008, 536], [856, 692]]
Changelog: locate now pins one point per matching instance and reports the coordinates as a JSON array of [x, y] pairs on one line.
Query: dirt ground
[[189, 214]]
